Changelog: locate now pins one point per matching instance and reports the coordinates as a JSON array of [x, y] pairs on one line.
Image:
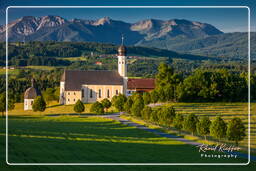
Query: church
[[92, 86]]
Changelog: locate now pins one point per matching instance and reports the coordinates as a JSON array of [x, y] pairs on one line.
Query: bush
[[190, 123], [79, 107], [106, 104], [119, 101], [128, 104], [154, 116], [178, 121], [146, 112], [39, 104], [146, 98], [218, 128], [166, 115], [236, 130], [154, 96], [203, 126], [97, 107], [137, 106]]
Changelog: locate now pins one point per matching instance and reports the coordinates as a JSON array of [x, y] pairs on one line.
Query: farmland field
[[226, 110]]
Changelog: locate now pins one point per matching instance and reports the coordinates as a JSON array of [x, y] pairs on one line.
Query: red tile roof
[[143, 83]]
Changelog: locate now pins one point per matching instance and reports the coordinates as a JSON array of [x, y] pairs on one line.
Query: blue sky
[[227, 20]]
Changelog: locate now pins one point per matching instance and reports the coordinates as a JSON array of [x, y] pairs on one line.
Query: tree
[[11, 104], [97, 107], [166, 115], [146, 112], [106, 104], [146, 98], [137, 106], [236, 130], [154, 96], [39, 104], [178, 121], [203, 126], [119, 101], [49, 95], [190, 123], [218, 128], [79, 107], [128, 104]]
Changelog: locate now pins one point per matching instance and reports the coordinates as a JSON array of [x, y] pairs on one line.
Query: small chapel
[[92, 86], [30, 95]]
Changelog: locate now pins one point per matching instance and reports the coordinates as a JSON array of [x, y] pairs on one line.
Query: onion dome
[[122, 50], [31, 92]]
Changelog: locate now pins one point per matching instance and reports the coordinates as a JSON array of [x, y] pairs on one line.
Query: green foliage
[[154, 96], [50, 94], [203, 126], [190, 123], [236, 130], [166, 115], [178, 121], [11, 104], [146, 98], [218, 128], [97, 107], [39, 104], [118, 102], [137, 106], [154, 116], [106, 103], [128, 104], [79, 107], [213, 86], [146, 113]]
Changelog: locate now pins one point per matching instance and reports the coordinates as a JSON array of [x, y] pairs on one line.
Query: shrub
[[154, 116], [146, 112], [137, 106], [190, 123], [218, 128], [236, 130], [97, 107], [119, 101], [203, 126], [79, 107], [146, 98], [154, 96], [178, 121], [106, 104], [128, 104], [166, 115], [39, 104]]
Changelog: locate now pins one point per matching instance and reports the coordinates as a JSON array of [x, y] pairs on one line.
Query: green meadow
[[46, 138]]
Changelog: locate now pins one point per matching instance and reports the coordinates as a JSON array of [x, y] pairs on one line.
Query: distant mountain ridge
[[175, 34]]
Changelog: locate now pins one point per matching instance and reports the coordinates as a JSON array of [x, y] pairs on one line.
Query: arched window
[[116, 92], [90, 93], [99, 93], [108, 96], [82, 93]]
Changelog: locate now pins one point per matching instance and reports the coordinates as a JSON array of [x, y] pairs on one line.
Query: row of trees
[[137, 105]]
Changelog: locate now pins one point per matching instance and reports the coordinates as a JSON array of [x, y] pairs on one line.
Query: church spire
[[32, 82], [122, 66], [122, 49]]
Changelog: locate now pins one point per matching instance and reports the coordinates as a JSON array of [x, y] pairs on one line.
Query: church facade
[[92, 86]]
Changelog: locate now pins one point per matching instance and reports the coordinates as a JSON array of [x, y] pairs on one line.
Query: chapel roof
[[141, 83], [74, 79], [31, 92]]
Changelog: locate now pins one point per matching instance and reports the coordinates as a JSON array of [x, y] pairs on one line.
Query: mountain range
[[179, 35]]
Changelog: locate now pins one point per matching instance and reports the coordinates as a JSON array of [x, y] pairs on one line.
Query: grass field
[[226, 110], [39, 138], [72, 59]]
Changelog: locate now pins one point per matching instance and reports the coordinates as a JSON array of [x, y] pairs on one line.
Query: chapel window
[[116, 92], [90, 93], [99, 93], [82, 93], [108, 93]]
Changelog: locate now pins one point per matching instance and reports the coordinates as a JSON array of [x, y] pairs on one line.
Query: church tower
[[122, 66]]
